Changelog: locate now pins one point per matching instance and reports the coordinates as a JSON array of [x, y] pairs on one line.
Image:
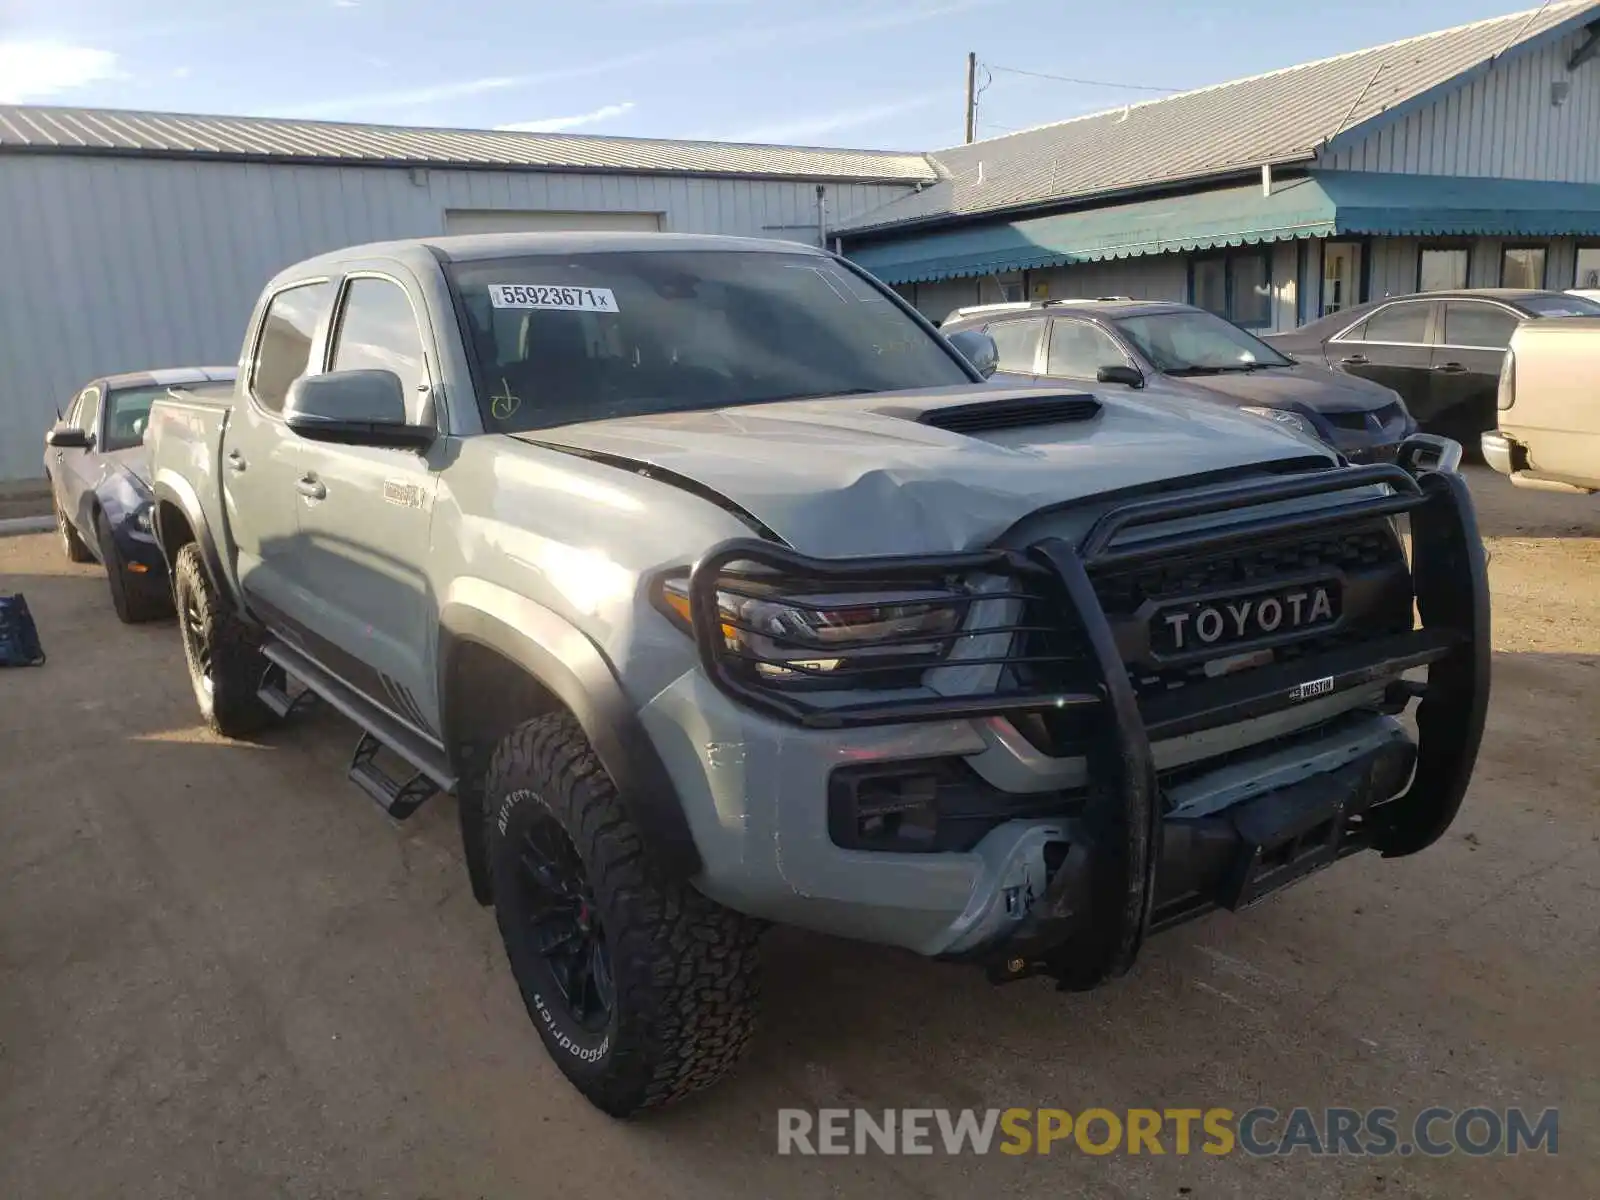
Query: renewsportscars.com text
[[1258, 1132]]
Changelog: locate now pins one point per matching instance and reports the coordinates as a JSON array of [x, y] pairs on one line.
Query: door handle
[[310, 487], [1356, 360], [236, 461], [1450, 368]]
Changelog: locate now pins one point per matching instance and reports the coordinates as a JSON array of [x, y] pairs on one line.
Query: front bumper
[[1075, 894]]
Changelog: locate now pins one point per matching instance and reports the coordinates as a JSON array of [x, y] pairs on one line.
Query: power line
[[1132, 87]]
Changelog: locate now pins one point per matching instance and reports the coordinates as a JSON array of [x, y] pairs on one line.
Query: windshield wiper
[[855, 391], [1196, 370]]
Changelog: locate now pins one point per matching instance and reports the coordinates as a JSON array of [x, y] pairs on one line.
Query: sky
[[885, 74]]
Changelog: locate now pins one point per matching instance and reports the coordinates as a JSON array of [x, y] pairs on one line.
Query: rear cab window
[[283, 347]]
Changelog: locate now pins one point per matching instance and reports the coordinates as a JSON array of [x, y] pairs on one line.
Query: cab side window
[[1399, 323], [87, 409], [1018, 343], [1078, 350], [378, 331], [283, 347], [1477, 326]]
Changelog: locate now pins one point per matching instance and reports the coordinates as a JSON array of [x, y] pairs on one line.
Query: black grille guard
[[1122, 815]]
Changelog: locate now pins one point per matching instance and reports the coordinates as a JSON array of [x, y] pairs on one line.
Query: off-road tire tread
[[685, 967], [237, 665]]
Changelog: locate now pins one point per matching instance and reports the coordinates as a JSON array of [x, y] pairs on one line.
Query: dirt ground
[[224, 973]]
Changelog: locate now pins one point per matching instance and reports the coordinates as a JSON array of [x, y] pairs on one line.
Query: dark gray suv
[[1195, 355]]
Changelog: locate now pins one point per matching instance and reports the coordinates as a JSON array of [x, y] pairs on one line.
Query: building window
[[1588, 275], [1341, 276], [1522, 266], [1443, 268], [1235, 286]]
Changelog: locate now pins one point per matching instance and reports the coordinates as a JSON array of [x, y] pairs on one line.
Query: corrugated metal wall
[[1154, 277], [118, 264], [1501, 124]]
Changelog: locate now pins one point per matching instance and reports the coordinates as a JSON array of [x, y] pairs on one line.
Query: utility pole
[[972, 97]]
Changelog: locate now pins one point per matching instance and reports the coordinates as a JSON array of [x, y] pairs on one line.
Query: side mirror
[[1122, 373], [356, 408], [68, 437], [977, 348]]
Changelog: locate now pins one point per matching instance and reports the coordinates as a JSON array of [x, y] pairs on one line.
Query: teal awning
[[1321, 204]]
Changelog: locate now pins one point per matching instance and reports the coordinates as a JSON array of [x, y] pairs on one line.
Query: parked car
[[724, 590], [1549, 407], [1185, 354], [99, 472], [1441, 351]]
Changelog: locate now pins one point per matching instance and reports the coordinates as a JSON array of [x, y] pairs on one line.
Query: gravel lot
[[224, 973]]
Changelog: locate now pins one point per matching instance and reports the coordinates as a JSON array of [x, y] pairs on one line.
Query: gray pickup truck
[[721, 589]]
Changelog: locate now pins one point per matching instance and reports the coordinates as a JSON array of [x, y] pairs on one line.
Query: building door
[[1341, 276]]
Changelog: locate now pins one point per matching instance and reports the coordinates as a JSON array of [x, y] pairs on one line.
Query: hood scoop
[[1014, 412]]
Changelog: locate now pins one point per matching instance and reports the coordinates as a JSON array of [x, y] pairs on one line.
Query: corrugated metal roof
[[39, 128], [1317, 204], [1283, 116]]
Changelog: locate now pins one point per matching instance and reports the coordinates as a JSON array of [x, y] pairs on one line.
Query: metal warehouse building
[[1469, 157], [135, 240]]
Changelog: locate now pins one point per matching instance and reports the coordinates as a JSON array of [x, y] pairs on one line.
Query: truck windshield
[[1198, 343], [584, 337]]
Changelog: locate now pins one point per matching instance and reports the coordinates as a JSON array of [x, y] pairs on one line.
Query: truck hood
[[859, 475], [1302, 384]]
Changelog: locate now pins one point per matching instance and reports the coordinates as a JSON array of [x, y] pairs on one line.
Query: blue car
[[99, 474]]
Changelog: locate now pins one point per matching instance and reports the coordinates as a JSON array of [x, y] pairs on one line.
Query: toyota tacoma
[[722, 590]]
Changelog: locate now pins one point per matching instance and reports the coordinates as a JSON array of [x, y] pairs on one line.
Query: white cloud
[[556, 124], [719, 45], [818, 124], [347, 3], [36, 70]]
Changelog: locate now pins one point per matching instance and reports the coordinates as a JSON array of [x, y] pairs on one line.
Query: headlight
[[144, 519], [827, 637], [1283, 417]]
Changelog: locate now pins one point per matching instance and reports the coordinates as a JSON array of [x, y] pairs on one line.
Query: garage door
[[486, 220]]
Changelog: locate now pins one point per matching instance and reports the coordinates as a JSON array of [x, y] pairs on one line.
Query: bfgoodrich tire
[[642, 989], [225, 662]]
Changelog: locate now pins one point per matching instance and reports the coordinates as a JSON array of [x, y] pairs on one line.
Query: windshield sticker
[[503, 404], [538, 295]]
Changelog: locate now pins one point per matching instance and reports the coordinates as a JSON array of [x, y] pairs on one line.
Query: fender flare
[[563, 660], [178, 492]]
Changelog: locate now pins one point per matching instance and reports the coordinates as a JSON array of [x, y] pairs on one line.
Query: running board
[[397, 799], [380, 729], [274, 693]]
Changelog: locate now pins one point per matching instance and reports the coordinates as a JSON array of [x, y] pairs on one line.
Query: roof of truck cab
[[477, 246]]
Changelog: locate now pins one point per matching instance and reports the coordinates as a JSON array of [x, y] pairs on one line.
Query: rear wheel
[[223, 655], [642, 989], [71, 544], [134, 602]]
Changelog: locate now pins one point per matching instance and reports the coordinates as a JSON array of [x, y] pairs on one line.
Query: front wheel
[[642, 989], [225, 662]]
